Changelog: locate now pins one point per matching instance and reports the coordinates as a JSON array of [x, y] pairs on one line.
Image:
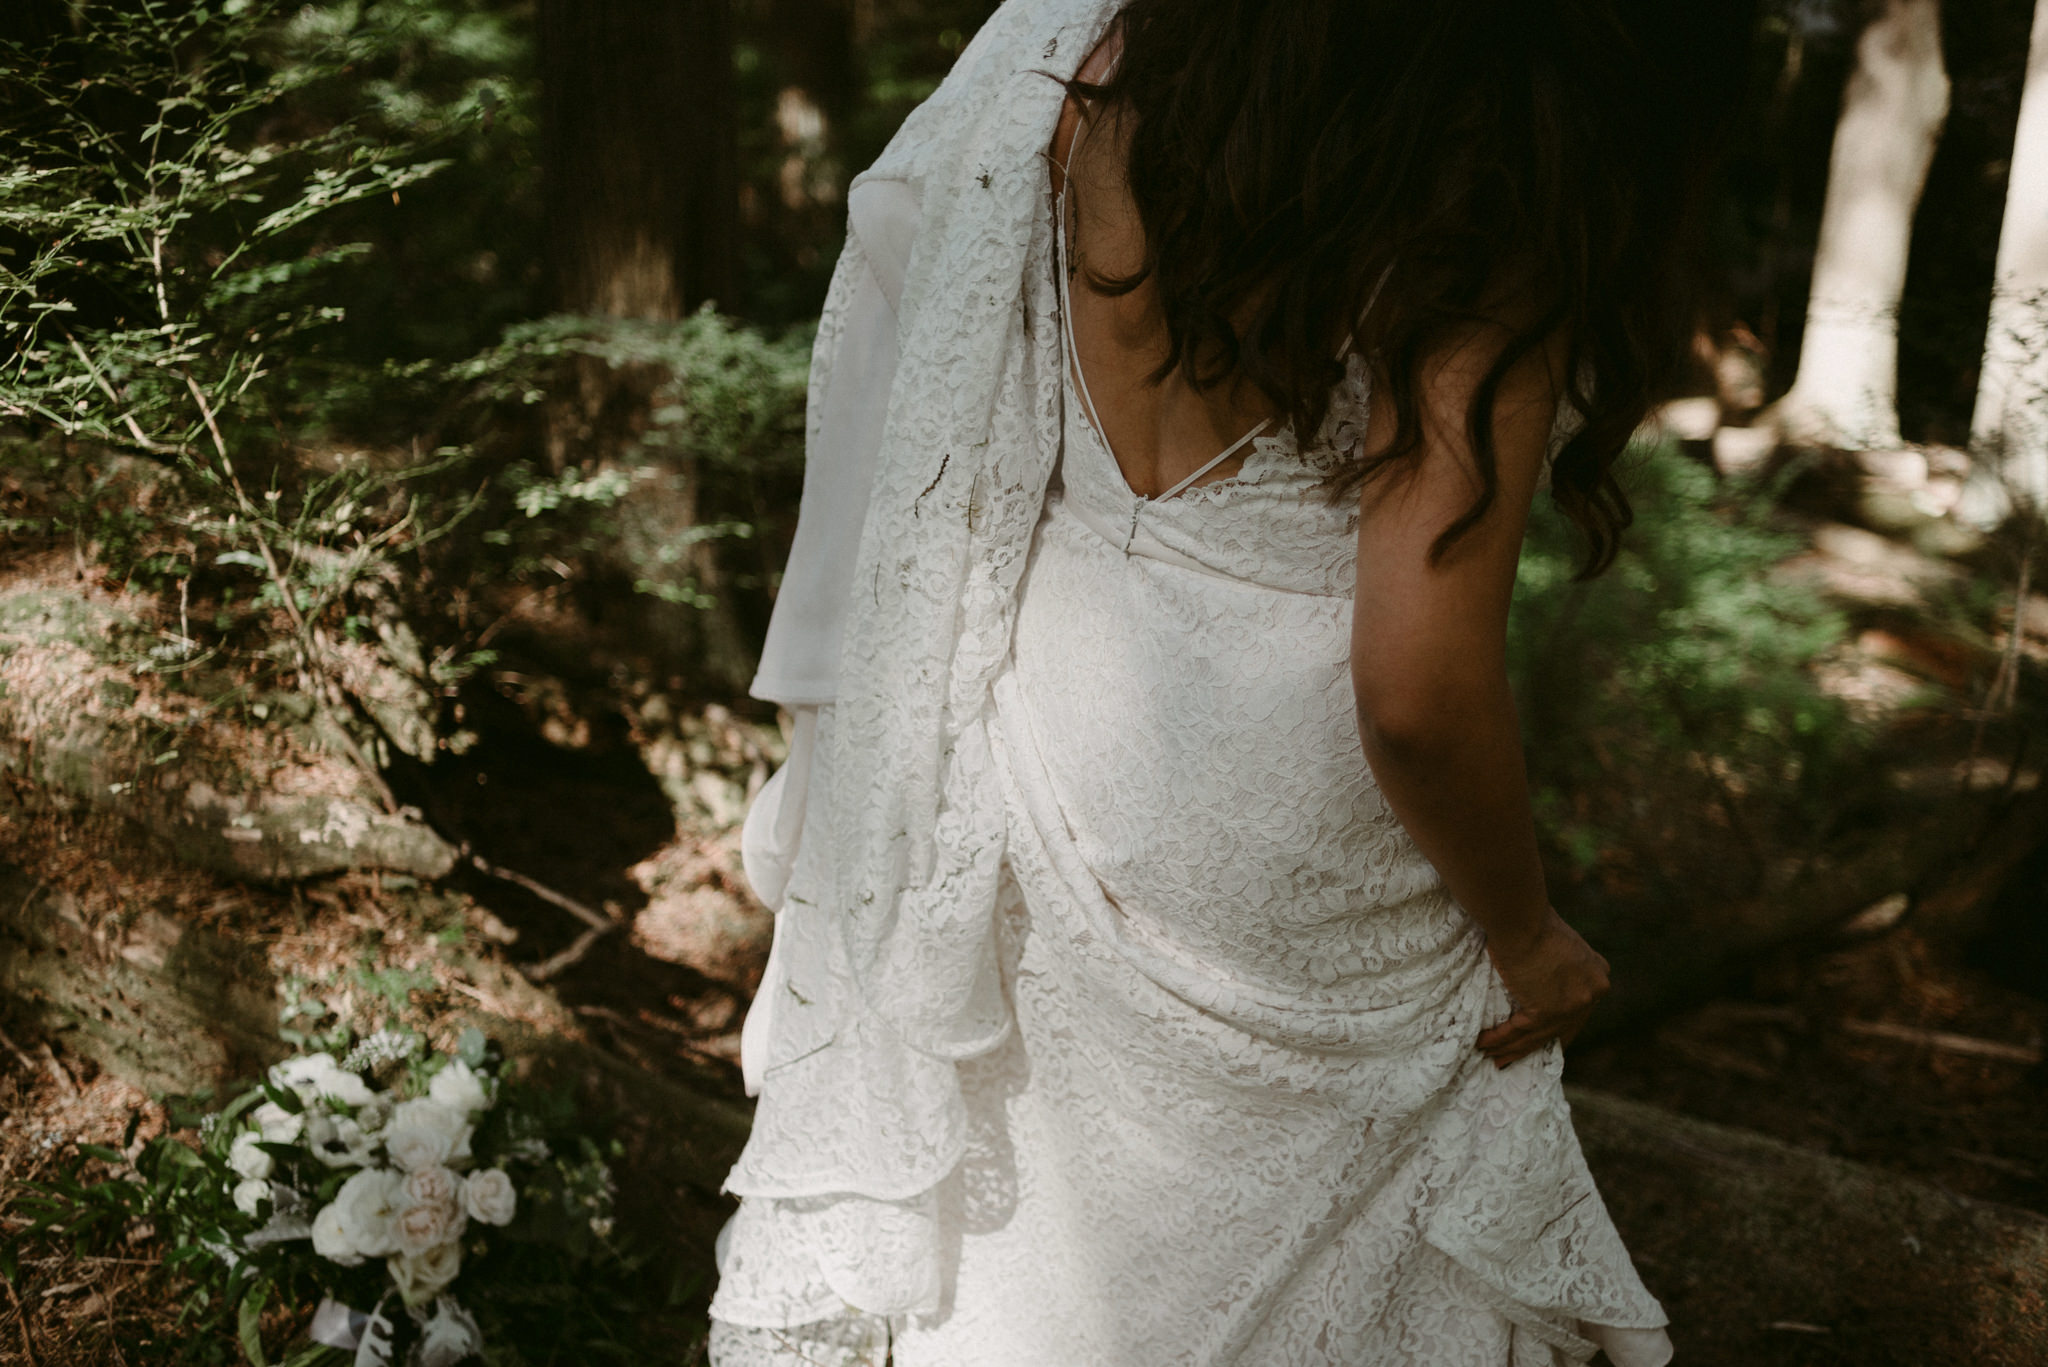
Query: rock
[[272, 799], [1740, 450], [168, 1007], [1767, 1253], [1693, 419]]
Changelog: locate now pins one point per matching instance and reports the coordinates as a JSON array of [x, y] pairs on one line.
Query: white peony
[[248, 1161], [423, 1133], [250, 1195], [449, 1337], [488, 1196], [425, 1275], [339, 1141], [279, 1126], [459, 1088]]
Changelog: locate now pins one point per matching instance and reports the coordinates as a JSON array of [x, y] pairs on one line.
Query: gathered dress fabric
[[1117, 1022]]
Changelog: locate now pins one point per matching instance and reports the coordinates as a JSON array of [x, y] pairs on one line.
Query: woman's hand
[[1555, 979]]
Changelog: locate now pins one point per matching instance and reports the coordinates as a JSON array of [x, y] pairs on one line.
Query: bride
[[1163, 971]]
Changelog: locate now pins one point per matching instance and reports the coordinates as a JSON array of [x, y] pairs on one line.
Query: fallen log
[[1949, 858]]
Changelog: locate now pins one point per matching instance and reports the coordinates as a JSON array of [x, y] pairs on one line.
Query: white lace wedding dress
[[1236, 1118], [1240, 1119]]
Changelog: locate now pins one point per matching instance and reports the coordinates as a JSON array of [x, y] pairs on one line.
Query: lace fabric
[[1115, 1019]]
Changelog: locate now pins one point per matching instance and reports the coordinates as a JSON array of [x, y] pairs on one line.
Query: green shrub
[[1685, 671]]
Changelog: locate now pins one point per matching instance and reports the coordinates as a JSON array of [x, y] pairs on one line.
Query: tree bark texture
[[639, 151], [642, 202], [2009, 429], [1845, 394]]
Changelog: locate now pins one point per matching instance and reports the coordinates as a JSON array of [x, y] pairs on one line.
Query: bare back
[[1160, 433]]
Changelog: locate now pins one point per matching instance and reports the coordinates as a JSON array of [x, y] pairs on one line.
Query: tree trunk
[[641, 155], [2009, 430], [637, 115], [1845, 394]]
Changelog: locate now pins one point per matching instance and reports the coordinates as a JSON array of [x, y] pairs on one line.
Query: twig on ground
[[578, 949], [1944, 1040], [28, 1347], [20, 1054], [65, 1081], [596, 920], [1995, 1163]]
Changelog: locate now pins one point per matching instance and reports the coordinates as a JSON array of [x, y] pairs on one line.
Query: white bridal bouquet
[[415, 1175]]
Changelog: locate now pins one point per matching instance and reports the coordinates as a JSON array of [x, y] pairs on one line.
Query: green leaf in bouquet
[[285, 1097], [470, 1046], [249, 1324], [111, 1157]]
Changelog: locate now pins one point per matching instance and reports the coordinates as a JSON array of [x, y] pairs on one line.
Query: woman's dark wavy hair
[[1287, 156]]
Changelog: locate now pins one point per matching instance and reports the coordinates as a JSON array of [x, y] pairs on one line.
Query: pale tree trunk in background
[[2009, 431], [1846, 392]]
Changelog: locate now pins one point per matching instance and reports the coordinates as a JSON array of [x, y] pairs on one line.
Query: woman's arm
[[1428, 659]]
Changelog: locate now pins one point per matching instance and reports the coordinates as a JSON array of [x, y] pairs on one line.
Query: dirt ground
[[1914, 1057]]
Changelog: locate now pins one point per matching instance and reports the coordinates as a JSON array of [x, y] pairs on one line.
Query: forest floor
[[1884, 1049]]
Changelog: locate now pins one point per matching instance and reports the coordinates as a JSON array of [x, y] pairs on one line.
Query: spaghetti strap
[[1217, 460], [1073, 352]]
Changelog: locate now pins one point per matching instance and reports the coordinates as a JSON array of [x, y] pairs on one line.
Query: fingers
[[1523, 1034], [1496, 1036]]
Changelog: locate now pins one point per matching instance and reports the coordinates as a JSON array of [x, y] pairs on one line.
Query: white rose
[[361, 1221], [250, 1195], [459, 1088], [435, 1186], [279, 1126], [331, 1236], [427, 1224], [450, 1336], [338, 1141], [423, 1133], [318, 1075], [488, 1196], [425, 1275], [248, 1161]]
